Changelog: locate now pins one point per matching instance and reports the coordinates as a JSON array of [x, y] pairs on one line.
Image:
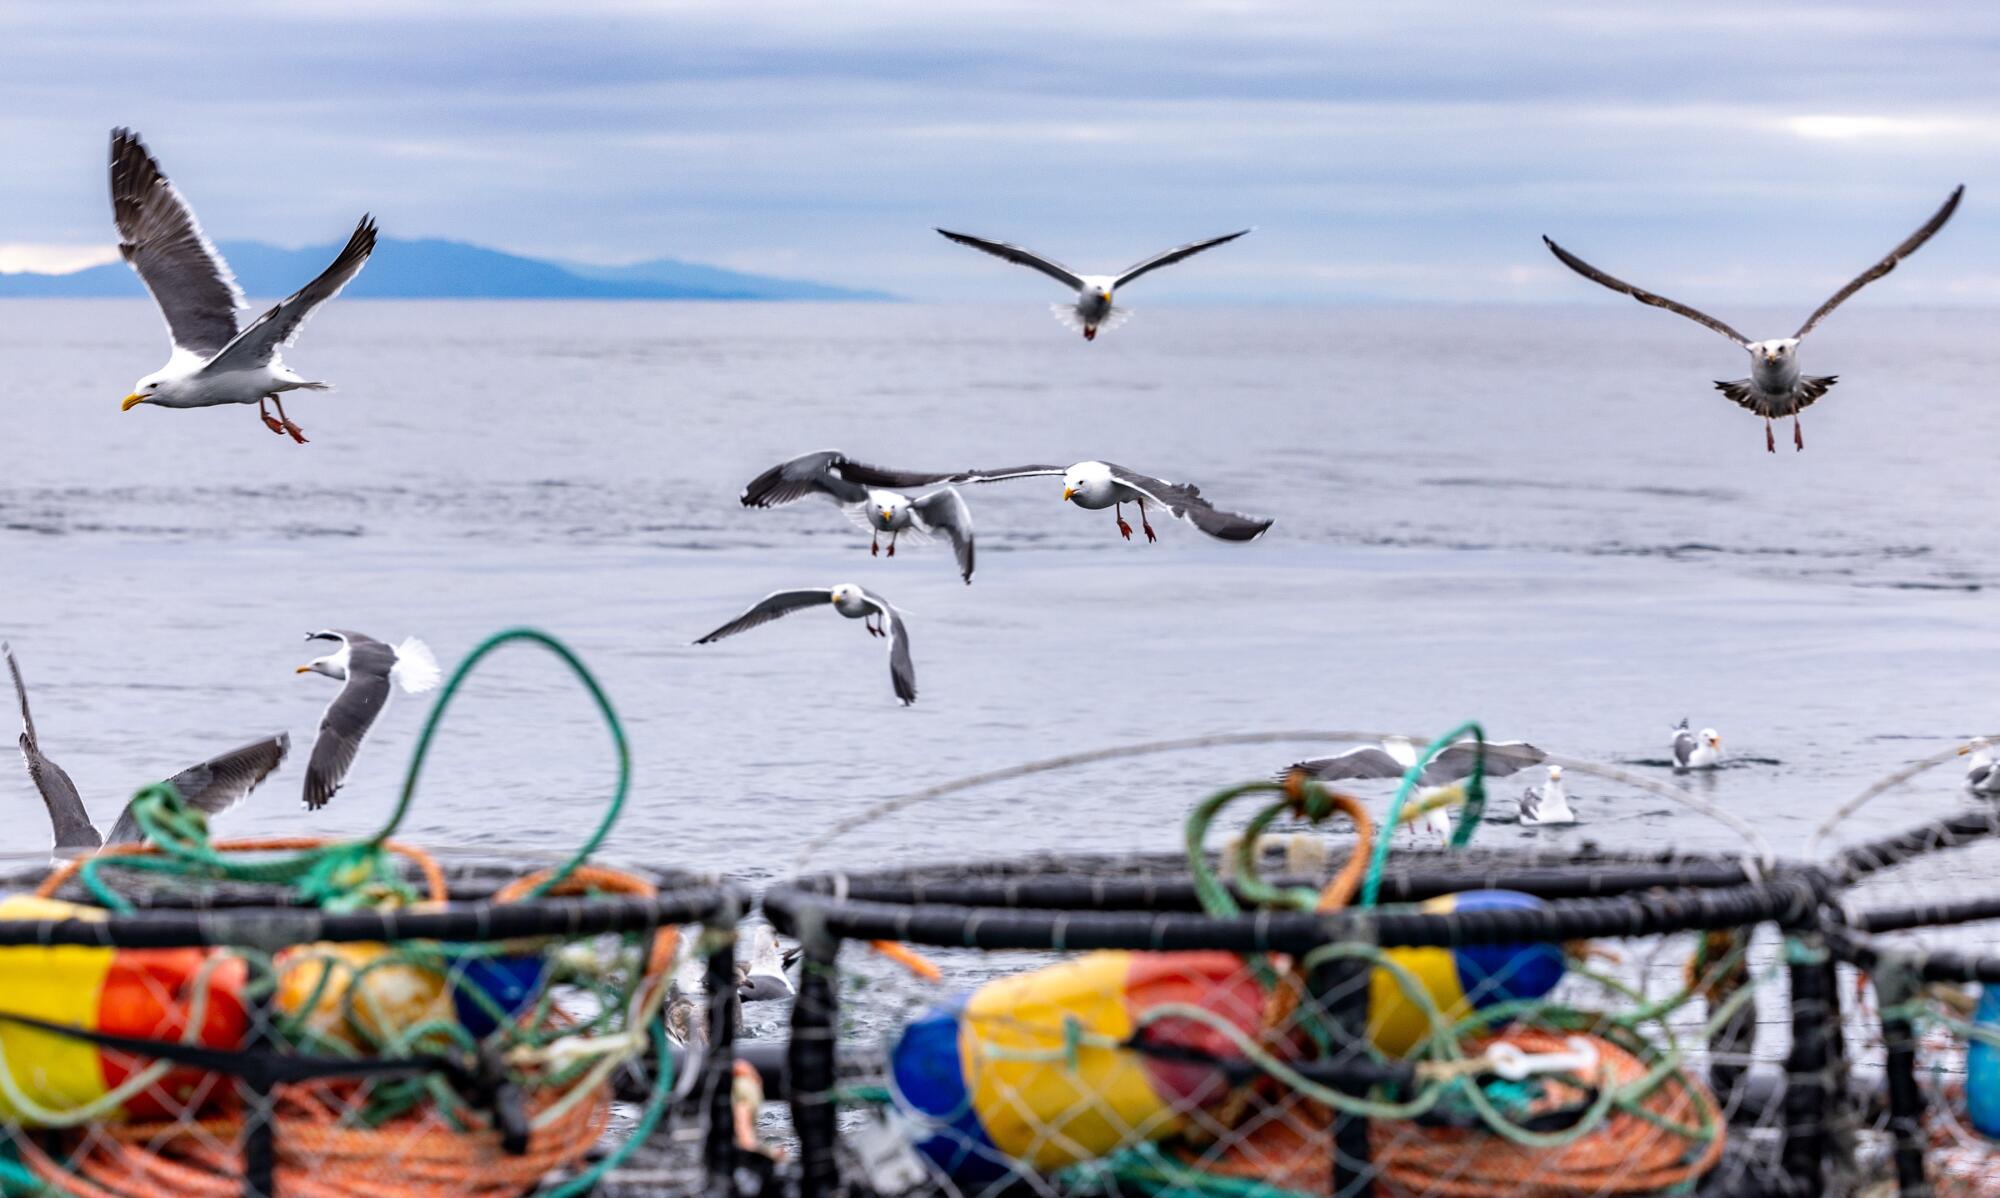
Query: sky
[[1720, 151]]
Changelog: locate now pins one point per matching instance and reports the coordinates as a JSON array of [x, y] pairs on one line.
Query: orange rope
[[433, 873], [1624, 1155]]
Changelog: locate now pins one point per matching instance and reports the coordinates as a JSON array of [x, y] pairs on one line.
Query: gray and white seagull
[[212, 787], [1393, 757], [1099, 485], [1094, 307], [1775, 387], [868, 495], [854, 602], [213, 361], [371, 669]]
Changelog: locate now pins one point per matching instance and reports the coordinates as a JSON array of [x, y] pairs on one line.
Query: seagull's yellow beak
[[1105, 296], [303, 670], [887, 515], [131, 401], [1067, 492], [1964, 749]]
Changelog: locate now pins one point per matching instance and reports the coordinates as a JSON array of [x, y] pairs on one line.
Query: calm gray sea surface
[[1546, 519]]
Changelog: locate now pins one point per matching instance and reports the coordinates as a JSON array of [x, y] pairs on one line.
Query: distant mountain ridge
[[431, 268]]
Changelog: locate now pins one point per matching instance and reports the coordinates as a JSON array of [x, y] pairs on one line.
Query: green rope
[[1475, 803], [604, 708]]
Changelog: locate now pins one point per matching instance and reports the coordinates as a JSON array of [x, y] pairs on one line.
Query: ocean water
[[1545, 519]]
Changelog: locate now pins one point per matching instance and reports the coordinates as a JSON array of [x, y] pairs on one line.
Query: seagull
[[371, 669], [1092, 308], [1100, 485], [764, 979], [212, 788], [1394, 756], [1980, 776], [851, 601], [866, 494], [1692, 752], [1775, 387], [213, 362], [1548, 803]]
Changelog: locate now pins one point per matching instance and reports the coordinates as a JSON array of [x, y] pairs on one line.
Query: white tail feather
[[416, 669]]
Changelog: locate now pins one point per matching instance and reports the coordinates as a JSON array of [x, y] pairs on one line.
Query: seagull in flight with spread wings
[[213, 361], [1093, 308], [1100, 485], [869, 496], [856, 603], [1775, 387], [212, 787]]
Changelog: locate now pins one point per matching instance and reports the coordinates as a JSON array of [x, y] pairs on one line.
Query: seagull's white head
[[1088, 484], [1555, 773], [846, 596], [1775, 352], [888, 510], [148, 390], [1980, 749], [1711, 738], [333, 665]]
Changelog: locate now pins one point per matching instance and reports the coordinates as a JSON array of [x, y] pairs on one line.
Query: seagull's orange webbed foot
[[1124, 529], [1798, 435], [1090, 332], [271, 422], [297, 434], [1770, 441]]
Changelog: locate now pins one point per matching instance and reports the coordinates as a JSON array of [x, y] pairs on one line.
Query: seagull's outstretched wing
[[1454, 761], [769, 608], [279, 327], [1887, 264], [159, 236], [1003, 474], [342, 728], [1642, 295], [1184, 501], [1014, 253], [1364, 761], [216, 785], [67, 816], [902, 673], [827, 472], [1172, 256], [945, 511]]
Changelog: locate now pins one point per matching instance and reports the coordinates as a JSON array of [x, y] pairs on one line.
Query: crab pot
[[1932, 968], [165, 1034], [1097, 1030]]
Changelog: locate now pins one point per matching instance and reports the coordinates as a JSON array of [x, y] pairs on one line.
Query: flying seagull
[[1100, 485], [213, 787], [1393, 757], [867, 494], [1547, 804], [851, 601], [213, 362], [1696, 752], [371, 669], [1775, 387], [1092, 308]]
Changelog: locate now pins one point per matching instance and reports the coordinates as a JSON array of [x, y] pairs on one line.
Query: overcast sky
[[1730, 151]]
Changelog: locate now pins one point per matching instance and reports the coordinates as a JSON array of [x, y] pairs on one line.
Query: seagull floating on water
[[1981, 778], [1547, 804], [1100, 485], [1775, 387], [1093, 308], [371, 669], [865, 493], [1693, 751], [764, 978], [854, 602], [213, 362], [212, 788]]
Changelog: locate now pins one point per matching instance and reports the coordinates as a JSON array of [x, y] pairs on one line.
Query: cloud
[[17, 256]]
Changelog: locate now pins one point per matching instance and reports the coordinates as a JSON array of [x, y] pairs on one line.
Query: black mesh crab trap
[[362, 1018], [1921, 935], [1257, 1020]]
